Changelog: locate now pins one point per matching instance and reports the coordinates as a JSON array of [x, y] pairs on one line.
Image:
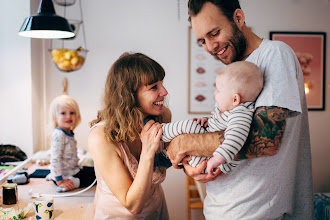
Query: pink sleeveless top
[[107, 206]]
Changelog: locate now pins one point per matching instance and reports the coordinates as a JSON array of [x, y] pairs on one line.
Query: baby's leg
[[228, 167], [188, 126], [195, 161], [225, 168]]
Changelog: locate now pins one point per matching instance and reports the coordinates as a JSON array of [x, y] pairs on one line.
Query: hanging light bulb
[[46, 24]]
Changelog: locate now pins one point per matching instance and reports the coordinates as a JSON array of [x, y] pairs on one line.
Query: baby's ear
[[236, 99]]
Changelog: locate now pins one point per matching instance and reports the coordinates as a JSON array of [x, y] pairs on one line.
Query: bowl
[[65, 2], [68, 60]]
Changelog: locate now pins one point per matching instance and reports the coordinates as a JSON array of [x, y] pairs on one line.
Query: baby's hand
[[201, 121], [213, 163]]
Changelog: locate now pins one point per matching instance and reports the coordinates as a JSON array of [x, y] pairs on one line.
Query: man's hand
[[175, 157], [196, 172], [202, 145]]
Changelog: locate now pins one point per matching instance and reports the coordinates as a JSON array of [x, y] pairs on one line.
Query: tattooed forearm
[[221, 137], [266, 133]]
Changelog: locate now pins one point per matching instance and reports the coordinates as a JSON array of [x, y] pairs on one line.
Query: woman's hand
[[150, 138]]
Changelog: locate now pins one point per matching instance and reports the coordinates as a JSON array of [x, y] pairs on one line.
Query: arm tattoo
[[221, 136], [266, 133]]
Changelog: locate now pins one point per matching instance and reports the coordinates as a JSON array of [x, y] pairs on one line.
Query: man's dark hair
[[227, 7]]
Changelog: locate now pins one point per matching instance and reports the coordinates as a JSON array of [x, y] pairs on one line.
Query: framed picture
[[310, 48], [202, 71]]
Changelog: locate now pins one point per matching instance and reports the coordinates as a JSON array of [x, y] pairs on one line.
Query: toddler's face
[[66, 118], [223, 94]]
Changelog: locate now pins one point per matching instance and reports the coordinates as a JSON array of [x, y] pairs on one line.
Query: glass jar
[[9, 193]]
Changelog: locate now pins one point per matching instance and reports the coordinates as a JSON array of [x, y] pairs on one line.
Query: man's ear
[[239, 18], [236, 99]]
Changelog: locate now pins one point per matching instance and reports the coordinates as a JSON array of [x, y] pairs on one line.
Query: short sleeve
[[280, 67]]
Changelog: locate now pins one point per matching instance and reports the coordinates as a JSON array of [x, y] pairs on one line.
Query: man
[[275, 187]]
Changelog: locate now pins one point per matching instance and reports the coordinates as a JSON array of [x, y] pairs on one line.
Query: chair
[[193, 198]]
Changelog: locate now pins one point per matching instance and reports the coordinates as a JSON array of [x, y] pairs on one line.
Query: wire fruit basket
[[68, 60]]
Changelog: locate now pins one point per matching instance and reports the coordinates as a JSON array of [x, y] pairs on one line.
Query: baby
[[237, 87]]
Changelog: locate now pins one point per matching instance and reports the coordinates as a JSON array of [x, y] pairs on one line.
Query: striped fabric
[[236, 124]]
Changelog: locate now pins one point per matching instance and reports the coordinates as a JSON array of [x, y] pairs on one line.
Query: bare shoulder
[[97, 142]]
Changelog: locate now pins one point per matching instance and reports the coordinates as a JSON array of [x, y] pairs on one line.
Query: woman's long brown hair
[[122, 117]]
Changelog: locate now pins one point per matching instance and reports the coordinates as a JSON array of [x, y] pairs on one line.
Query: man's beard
[[238, 43]]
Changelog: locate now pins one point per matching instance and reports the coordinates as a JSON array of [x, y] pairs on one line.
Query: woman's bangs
[[152, 75]]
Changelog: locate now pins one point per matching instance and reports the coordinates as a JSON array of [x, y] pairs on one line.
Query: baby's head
[[57, 105], [238, 82]]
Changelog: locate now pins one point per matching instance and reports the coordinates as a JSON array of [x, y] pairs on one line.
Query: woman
[[123, 148]]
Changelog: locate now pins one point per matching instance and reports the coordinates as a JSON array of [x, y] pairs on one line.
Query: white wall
[[15, 78], [155, 28]]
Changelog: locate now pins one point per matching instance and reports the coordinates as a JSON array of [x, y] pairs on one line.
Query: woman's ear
[[236, 99], [239, 18]]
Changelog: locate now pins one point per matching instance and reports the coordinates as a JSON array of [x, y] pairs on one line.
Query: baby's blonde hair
[[245, 78], [63, 100]]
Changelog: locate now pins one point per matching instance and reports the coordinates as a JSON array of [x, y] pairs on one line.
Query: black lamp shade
[[46, 24]]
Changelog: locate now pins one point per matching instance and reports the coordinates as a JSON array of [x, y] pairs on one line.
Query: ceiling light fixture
[[46, 24]]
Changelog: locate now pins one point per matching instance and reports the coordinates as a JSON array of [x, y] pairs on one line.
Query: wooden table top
[[78, 207]]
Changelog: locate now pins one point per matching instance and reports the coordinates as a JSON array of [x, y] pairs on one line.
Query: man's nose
[[210, 46]]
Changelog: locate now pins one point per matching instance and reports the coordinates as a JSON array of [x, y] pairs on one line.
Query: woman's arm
[[264, 139], [132, 194]]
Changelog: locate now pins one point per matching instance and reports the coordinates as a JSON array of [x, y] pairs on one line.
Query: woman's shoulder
[[97, 139]]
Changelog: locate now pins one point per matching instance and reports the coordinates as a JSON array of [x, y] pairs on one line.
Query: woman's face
[[151, 98]]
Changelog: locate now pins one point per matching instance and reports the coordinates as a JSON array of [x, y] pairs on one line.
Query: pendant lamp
[[46, 24]]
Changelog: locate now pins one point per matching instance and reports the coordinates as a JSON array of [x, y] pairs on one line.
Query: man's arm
[[266, 133], [193, 144], [264, 139]]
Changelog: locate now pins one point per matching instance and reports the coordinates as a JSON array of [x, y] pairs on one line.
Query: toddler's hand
[[66, 183]]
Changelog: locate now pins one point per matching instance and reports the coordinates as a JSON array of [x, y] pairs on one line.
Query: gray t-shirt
[[280, 185]]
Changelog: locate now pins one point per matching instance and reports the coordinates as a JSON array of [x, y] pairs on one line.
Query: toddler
[[64, 169]]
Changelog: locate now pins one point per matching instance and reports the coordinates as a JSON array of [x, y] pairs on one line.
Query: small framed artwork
[[202, 71], [310, 48]]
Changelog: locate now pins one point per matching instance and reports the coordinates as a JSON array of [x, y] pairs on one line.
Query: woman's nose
[[163, 91]]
